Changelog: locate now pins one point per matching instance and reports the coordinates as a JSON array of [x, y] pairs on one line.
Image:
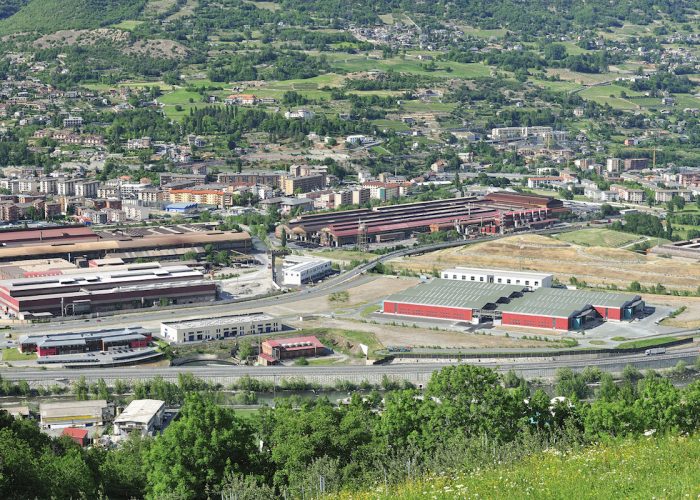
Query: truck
[[655, 350]]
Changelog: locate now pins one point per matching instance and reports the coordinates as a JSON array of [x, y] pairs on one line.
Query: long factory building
[[82, 242], [515, 305], [89, 292], [499, 212]]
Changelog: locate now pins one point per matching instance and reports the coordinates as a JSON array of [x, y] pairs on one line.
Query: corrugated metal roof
[[562, 303], [452, 293]]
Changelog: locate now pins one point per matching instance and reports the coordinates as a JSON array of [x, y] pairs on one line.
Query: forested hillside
[[52, 15]]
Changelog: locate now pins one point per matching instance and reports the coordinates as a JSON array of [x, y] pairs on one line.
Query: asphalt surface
[[416, 371], [337, 283]]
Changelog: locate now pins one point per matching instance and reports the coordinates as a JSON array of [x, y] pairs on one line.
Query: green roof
[[562, 303], [454, 293]]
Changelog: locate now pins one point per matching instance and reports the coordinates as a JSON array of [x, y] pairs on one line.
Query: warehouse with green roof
[[476, 302]]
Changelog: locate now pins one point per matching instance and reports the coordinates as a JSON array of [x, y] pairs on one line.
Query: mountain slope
[[51, 15]]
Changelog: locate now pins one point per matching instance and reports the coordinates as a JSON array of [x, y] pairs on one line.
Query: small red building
[[296, 347], [80, 436]]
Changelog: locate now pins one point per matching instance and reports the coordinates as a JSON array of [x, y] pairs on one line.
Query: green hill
[[665, 467], [48, 16]]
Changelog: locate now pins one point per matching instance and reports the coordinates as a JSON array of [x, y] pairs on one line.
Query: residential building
[[214, 197], [300, 114], [302, 184], [73, 122], [142, 416], [614, 165], [636, 163]]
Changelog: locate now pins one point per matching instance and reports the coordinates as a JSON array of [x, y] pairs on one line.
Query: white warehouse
[[307, 270], [525, 278], [141, 415], [223, 327]]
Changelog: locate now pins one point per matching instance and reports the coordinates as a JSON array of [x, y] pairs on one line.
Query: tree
[[80, 389], [570, 384], [472, 398], [123, 470], [195, 453], [283, 238]]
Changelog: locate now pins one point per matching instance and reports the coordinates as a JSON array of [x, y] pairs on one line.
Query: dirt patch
[[158, 49], [690, 318], [390, 335], [82, 37], [595, 265]]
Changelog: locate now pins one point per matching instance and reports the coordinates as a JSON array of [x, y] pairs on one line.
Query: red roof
[[296, 343], [267, 357], [29, 235], [75, 433]]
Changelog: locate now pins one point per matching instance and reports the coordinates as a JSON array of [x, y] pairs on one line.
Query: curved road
[[336, 283]]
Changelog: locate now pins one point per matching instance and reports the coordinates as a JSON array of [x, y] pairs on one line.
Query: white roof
[[220, 321], [140, 410]]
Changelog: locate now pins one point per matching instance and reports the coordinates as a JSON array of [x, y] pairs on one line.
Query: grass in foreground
[[635, 468]]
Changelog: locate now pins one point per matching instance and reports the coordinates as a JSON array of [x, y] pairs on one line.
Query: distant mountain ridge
[[46, 16]]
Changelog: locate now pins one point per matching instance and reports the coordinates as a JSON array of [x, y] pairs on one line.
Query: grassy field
[[638, 344], [128, 25], [345, 341], [611, 94], [665, 467], [15, 355], [598, 238], [362, 63]]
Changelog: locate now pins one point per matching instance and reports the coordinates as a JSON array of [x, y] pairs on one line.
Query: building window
[[454, 276], [499, 280], [527, 282], [472, 278], [481, 278], [508, 281], [536, 283]]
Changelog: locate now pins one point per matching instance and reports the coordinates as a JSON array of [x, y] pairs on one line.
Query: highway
[[418, 373]]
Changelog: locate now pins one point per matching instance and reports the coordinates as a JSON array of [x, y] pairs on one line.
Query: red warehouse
[[514, 305]]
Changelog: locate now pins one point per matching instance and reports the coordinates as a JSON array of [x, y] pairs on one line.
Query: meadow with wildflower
[[647, 467]]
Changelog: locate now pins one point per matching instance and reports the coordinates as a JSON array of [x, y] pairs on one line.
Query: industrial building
[[686, 248], [219, 328], [515, 305], [76, 294], [79, 242], [531, 280], [75, 413], [141, 415], [76, 343], [498, 213], [276, 350], [306, 270]]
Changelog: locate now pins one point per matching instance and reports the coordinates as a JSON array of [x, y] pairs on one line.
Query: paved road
[[348, 279], [414, 372]]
